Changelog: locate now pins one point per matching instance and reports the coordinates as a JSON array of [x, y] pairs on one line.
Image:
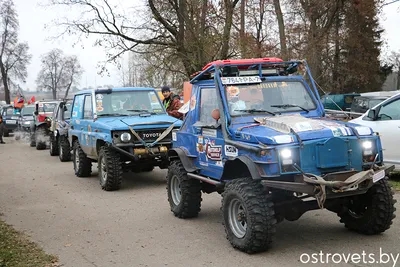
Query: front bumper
[[333, 185], [141, 153]]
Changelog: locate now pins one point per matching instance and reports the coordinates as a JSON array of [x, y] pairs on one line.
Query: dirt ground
[[74, 219]]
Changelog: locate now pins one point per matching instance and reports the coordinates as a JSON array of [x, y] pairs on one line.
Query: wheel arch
[[240, 167], [178, 153]]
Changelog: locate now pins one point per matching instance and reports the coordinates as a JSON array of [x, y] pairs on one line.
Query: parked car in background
[[362, 103], [338, 101], [26, 118], [10, 119], [384, 119]]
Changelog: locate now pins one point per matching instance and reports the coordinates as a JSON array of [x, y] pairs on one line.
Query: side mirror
[[36, 112], [372, 114]]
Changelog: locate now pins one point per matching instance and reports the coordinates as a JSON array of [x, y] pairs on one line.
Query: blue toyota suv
[[120, 129]]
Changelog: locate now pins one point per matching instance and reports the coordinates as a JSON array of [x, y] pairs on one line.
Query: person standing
[[171, 102], [2, 128]]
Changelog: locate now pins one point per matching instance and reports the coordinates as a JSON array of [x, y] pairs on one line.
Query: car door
[[86, 140], [387, 124], [210, 142]]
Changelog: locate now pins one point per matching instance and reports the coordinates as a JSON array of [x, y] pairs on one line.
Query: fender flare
[[181, 154], [231, 166]]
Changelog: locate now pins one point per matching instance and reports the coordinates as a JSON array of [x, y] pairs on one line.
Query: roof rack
[[247, 67]]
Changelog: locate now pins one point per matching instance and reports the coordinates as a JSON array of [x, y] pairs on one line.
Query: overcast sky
[[33, 17]]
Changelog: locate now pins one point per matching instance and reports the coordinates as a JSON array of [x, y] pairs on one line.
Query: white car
[[384, 119]]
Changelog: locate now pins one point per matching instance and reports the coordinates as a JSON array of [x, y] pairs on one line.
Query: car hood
[[285, 129], [121, 122]]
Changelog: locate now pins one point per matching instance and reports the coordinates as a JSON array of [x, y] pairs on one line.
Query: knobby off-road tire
[[32, 140], [184, 193], [53, 146], [64, 149], [248, 215], [110, 169], [371, 213], [39, 134], [82, 164]]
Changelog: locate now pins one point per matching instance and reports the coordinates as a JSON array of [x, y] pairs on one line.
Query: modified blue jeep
[[256, 132], [121, 129]]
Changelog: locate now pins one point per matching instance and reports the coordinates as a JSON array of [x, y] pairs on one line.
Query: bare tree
[[14, 56], [58, 72], [192, 32]]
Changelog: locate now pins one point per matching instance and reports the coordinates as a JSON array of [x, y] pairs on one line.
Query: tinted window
[[28, 111]]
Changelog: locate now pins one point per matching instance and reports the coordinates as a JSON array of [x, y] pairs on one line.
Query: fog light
[[163, 149], [125, 137]]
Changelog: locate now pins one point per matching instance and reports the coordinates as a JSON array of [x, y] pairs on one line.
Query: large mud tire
[[64, 149], [184, 193], [82, 164], [370, 213], [53, 145], [40, 133], [32, 142], [110, 169], [248, 215]]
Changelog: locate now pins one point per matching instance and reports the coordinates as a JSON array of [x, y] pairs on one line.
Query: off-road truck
[[122, 129], [59, 143], [256, 133], [39, 133]]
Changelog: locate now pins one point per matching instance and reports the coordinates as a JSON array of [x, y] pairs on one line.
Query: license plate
[[378, 176], [11, 121]]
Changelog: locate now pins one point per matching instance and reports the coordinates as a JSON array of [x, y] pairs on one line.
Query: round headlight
[[367, 144], [286, 153], [125, 137]]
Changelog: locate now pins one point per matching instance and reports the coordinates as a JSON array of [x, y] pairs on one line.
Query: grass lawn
[[17, 251], [395, 180]]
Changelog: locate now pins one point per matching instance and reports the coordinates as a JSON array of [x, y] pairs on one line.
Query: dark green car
[[339, 101]]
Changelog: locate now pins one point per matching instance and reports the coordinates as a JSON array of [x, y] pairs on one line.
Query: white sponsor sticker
[[231, 151], [378, 176], [210, 132], [239, 80], [174, 136]]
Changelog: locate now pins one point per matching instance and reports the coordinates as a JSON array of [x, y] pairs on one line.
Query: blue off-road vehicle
[[255, 132], [120, 129]]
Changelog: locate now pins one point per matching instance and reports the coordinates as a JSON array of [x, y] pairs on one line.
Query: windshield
[[28, 111], [9, 111], [128, 103], [268, 97], [67, 112], [46, 107]]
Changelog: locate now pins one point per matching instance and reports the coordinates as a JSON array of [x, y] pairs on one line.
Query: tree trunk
[[229, 7], [314, 50], [282, 34], [5, 83], [54, 94], [336, 58], [242, 28]]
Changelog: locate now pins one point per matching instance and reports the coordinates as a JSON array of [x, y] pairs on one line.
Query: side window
[[55, 112], [88, 112], [208, 102], [78, 107], [390, 111]]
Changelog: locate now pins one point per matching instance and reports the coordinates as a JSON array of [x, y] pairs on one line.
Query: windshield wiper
[[289, 106], [112, 114], [255, 111], [138, 110]]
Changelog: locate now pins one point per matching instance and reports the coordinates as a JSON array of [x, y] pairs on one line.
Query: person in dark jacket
[[171, 102], [2, 128]]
